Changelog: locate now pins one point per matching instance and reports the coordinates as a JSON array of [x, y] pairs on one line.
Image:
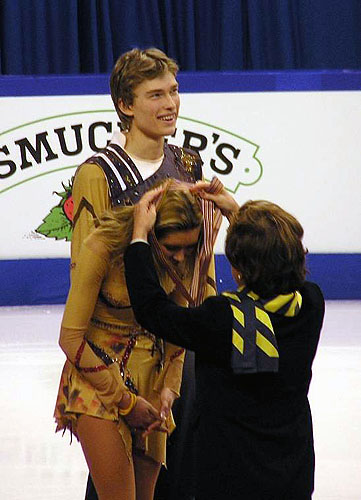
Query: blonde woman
[[119, 380]]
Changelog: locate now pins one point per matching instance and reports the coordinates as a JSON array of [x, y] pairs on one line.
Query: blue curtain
[[87, 36]]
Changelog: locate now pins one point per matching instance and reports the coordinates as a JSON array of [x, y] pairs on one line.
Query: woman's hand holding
[[224, 200], [144, 417], [145, 213], [167, 398]]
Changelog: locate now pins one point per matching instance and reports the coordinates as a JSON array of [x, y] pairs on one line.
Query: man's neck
[[144, 148]]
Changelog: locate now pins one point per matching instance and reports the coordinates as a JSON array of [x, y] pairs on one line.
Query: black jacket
[[254, 432]]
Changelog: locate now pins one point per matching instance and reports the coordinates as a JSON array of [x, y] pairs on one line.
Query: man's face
[[155, 106], [178, 245]]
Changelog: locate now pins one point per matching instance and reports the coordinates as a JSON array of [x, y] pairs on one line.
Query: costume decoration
[[133, 401], [125, 183]]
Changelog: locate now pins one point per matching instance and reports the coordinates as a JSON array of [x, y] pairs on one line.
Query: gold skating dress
[[109, 353]]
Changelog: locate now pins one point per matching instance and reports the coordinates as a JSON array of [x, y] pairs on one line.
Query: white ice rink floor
[[36, 464]]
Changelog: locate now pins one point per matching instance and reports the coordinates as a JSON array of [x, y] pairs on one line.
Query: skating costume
[[109, 353]]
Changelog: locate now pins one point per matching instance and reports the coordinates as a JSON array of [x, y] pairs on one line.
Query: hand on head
[[145, 213]]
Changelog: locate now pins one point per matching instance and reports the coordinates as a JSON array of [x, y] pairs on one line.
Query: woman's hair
[[178, 210], [264, 243], [133, 68]]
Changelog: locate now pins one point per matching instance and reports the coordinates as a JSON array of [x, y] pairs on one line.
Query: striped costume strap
[[120, 170], [254, 344], [212, 219]]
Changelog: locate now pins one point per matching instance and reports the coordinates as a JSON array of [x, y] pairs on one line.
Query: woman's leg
[[146, 474], [109, 465]]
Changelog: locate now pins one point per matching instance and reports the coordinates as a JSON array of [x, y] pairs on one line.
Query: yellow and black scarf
[[254, 345]]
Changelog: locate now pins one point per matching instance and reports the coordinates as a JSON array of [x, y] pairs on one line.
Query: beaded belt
[[123, 361], [128, 331]]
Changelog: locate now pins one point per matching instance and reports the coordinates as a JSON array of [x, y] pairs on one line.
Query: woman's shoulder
[[313, 291], [97, 246], [312, 296]]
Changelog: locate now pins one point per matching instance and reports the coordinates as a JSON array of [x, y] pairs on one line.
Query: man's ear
[[126, 110]]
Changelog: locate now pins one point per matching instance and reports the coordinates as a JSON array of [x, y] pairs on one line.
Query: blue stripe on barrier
[[190, 82], [34, 281], [46, 281], [338, 275]]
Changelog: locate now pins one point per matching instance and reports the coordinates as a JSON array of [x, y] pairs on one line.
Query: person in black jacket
[[254, 349]]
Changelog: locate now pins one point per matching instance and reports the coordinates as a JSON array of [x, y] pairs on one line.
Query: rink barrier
[[46, 281]]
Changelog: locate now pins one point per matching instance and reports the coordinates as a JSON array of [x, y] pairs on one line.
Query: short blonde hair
[[133, 68]]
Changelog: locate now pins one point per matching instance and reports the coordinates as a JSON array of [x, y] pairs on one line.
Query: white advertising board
[[298, 149]]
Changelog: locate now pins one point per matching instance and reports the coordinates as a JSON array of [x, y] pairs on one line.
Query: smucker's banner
[[298, 149]]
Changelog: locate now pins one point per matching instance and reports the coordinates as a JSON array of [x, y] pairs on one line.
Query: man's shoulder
[[88, 174], [91, 170], [189, 158], [192, 153]]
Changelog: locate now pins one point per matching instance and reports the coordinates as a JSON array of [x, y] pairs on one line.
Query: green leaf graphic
[[56, 225]]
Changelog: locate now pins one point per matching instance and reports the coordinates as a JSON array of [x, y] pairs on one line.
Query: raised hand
[[224, 200], [145, 213]]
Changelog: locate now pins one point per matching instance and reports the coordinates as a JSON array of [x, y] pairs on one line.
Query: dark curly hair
[[264, 243]]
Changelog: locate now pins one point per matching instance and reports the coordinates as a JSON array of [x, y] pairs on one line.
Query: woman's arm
[[152, 307], [169, 381], [107, 381], [86, 282], [198, 329], [91, 199]]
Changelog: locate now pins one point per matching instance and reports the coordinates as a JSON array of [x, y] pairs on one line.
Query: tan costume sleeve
[[86, 281], [91, 199]]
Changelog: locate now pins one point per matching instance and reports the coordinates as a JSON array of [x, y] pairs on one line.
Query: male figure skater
[[145, 94]]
